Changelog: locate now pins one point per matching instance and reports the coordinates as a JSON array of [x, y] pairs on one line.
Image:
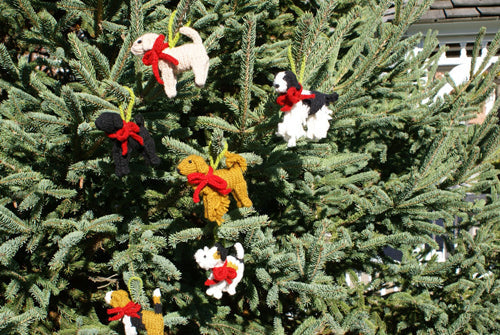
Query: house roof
[[457, 10], [457, 21], [442, 10]]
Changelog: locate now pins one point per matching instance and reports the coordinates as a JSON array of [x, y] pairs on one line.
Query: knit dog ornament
[[301, 108], [128, 137], [134, 318], [214, 186], [172, 61], [226, 271]]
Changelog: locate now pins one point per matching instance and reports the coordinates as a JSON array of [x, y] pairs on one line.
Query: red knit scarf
[[291, 97], [202, 180], [130, 309], [222, 273], [129, 129], [152, 57]]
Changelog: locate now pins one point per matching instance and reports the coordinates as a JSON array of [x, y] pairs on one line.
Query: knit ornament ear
[[128, 137], [132, 315], [225, 273], [215, 185], [168, 61], [305, 112]]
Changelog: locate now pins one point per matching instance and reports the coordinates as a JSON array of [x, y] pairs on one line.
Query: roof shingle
[[442, 10], [475, 3], [461, 12], [441, 4], [489, 11]]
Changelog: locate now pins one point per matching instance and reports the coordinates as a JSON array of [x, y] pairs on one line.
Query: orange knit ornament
[[214, 186]]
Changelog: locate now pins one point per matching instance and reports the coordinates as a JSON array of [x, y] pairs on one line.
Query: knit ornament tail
[[331, 97], [235, 160], [192, 34], [240, 253], [157, 301]]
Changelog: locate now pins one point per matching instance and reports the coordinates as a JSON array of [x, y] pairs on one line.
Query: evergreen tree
[[396, 161]]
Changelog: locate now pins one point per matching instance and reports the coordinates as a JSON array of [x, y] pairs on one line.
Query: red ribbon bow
[[152, 56], [291, 97], [222, 273], [129, 129], [202, 180], [130, 309]]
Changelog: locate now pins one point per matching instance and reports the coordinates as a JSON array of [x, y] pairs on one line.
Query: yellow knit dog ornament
[[214, 186]]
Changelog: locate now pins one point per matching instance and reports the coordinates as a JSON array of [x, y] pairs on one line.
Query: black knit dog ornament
[[129, 137]]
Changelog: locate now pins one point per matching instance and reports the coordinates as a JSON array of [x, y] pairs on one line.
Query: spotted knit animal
[[226, 271], [214, 186], [134, 318], [301, 108]]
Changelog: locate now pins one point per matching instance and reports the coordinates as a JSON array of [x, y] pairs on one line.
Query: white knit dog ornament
[[226, 270], [172, 61], [301, 108]]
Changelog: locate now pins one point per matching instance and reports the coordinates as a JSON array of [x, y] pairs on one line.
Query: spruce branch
[[247, 68], [43, 118], [7, 63], [301, 36], [181, 13], [325, 291], [184, 236], [21, 178], [329, 50], [476, 49], [102, 224], [99, 61], [214, 122], [9, 248], [167, 267], [492, 50], [175, 319], [91, 100], [86, 78], [211, 43], [25, 7], [80, 51], [180, 147], [136, 18], [121, 60], [72, 105], [317, 28], [111, 280], [75, 5], [232, 229]]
